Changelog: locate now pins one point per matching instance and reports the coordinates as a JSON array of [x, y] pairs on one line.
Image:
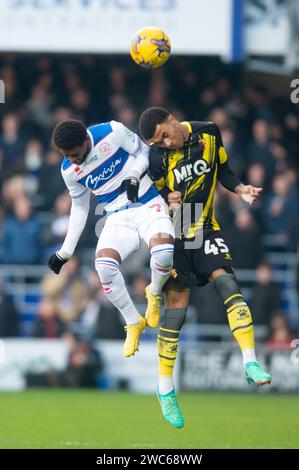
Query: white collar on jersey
[[91, 140]]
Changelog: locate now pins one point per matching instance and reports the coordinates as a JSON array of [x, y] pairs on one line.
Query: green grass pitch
[[75, 419]]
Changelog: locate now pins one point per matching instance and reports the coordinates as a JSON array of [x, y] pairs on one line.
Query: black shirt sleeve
[[226, 176]]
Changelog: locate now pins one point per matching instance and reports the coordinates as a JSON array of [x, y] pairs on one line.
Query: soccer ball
[[150, 48]]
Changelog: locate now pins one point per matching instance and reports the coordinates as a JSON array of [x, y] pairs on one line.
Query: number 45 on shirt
[[215, 248]]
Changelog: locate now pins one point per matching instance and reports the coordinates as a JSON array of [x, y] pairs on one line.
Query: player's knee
[[106, 268], [176, 296], [162, 258], [173, 318], [227, 287]]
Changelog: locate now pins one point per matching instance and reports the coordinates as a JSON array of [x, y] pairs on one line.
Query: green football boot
[[255, 374], [170, 409]]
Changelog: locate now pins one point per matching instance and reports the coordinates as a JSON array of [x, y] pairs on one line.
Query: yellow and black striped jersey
[[193, 170]]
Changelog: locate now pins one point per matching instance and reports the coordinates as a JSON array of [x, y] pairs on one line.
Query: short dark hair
[[69, 134], [149, 120]]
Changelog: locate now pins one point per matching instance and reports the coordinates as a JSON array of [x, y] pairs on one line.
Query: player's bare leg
[[161, 248], [107, 265], [176, 302], [241, 325]]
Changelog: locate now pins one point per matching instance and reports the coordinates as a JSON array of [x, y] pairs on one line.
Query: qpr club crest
[[105, 149]]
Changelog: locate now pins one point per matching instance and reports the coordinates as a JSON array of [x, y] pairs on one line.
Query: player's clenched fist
[[56, 262], [131, 186], [174, 199]]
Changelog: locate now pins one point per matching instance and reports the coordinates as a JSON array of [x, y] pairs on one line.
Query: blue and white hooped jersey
[[115, 152]]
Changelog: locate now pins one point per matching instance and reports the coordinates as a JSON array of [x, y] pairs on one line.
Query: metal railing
[[23, 283]]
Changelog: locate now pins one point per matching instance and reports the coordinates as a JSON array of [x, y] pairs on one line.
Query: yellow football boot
[[152, 314], [133, 331]]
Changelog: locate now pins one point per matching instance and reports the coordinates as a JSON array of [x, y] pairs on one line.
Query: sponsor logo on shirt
[[92, 181], [187, 172]]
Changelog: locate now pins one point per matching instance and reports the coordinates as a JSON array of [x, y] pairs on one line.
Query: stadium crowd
[[259, 131]]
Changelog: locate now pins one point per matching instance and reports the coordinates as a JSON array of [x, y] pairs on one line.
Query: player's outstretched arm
[[248, 193], [230, 180], [77, 222]]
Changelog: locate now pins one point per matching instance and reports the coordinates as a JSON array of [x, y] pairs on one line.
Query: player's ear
[[171, 118]]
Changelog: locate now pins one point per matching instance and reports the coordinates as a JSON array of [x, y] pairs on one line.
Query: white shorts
[[124, 230]]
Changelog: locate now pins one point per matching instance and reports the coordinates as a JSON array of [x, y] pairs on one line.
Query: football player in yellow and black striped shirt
[[187, 160]]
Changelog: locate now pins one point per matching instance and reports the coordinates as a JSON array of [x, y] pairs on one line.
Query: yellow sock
[[240, 321], [168, 341]]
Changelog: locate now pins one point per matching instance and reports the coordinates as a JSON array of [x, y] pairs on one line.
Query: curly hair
[[69, 134], [149, 120]]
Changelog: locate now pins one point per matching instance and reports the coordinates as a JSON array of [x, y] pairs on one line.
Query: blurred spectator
[[33, 155], [208, 306], [8, 75], [137, 292], [223, 209], [220, 117], [39, 105], [137, 261], [258, 103], [72, 81], [33, 162], [83, 368], [244, 240], [278, 149], [83, 107], [13, 188], [291, 122], [60, 220], [61, 113], [127, 115], [257, 176], [84, 364], [51, 184], [48, 324], [259, 149], [236, 160], [207, 101], [117, 101], [265, 298], [21, 240], [281, 335], [100, 319], [88, 320], [67, 292], [293, 237], [117, 79], [9, 316], [224, 89], [280, 206], [12, 145]]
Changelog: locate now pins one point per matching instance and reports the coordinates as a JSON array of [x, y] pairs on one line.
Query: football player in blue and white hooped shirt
[[111, 162]]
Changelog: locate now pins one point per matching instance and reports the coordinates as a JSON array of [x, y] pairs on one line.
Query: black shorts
[[200, 262]]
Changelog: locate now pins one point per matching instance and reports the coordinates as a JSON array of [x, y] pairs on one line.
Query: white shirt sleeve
[[132, 144], [78, 216]]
